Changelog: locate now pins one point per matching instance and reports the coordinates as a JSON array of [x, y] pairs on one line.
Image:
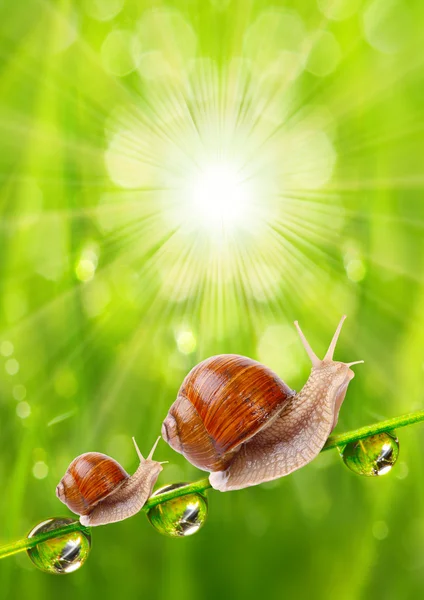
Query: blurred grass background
[[115, 281]]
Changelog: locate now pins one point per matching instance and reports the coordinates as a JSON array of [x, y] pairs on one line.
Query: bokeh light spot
[[338, 10], [325, 55], [356, 270], [153, 65], [186, 342], [85, 269], [103, 10], [402, 470], [380, 530], [311, 159], [6, 348], [40, 470], [23, 410], [273, 30], [387, 25], [166, 30], [120, 53], [86, 266], [11, 366]]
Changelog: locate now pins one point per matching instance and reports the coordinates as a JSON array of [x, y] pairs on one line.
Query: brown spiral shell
[[223, 401], [90, 478]]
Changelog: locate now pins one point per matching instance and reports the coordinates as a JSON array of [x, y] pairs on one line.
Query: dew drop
[[60, 555], [181, 516], [372, 456]]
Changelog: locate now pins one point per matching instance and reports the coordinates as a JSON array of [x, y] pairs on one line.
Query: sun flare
[[235, 182], [220, 199]]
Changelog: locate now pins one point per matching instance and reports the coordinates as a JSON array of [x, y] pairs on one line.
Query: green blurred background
[[186, 179]]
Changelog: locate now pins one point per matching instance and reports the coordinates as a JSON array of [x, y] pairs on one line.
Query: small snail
[[236, 419], [96, 487]]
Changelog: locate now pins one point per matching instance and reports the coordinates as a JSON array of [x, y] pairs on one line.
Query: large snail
[[236, 419], [96, 487]]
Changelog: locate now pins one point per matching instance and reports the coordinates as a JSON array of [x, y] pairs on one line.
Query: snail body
[[97, 488], [238, 420]]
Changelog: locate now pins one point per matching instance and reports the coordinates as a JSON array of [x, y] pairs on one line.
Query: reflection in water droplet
[[60, 555], [181, 516], [372, 456]]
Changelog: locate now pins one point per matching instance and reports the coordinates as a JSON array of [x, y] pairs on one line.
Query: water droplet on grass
[[180, 516], [63, 554], [372, 456]]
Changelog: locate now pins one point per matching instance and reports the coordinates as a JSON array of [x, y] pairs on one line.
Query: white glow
[[186, 342], [220, 197]]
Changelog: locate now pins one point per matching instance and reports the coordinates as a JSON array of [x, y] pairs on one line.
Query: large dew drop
[[60, 555], [372, 456], [180, 516]]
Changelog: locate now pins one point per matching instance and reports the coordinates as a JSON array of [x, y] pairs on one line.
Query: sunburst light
[[229, 174], [219, 199]]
